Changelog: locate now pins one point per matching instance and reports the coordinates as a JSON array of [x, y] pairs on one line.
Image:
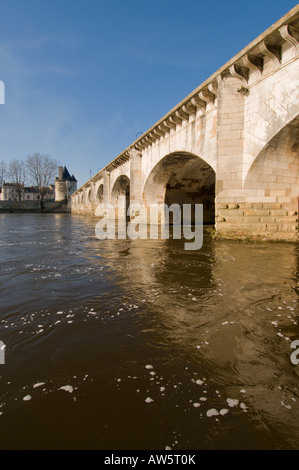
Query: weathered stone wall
[[264, 221], [258, 161], [60, 191], [196, 135], [32, 206], [272, 103]]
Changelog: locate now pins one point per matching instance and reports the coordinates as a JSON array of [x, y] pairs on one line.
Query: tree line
[[37, 170]]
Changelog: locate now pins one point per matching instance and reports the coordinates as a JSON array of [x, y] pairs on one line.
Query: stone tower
[[65, 185]]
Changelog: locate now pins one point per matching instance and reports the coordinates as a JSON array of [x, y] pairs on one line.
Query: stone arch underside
[[275, 172], [100, 194], [182, 178], [121, 187]]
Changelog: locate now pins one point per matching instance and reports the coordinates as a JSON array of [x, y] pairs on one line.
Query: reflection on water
[[123, 344]]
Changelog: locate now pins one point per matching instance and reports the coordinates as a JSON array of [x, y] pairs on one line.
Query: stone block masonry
[[268, 221]]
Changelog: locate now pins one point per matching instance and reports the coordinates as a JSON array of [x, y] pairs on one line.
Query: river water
[[138, 344]]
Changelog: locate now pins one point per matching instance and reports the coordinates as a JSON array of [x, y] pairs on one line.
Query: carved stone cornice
[[253, 63], [198, 103], [290, 34], [236, 74], [207, 96], [170, 123], [181, 113], [271, 52]]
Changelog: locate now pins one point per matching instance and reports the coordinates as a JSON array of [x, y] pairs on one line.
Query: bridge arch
[[274, 174], [182, 178], [121, 187], [100, 194]]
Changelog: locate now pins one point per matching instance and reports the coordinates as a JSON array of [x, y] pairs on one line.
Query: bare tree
[[41, 170], [17, 175], [3, 172]]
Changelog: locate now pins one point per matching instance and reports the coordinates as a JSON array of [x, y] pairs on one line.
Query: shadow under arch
[[100, 194], [89, 195], [121, 187], [182, 178], [274, 173]]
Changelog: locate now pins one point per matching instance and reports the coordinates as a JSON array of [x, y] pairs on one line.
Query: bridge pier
[[135, 177], [106, 187], [230, 145]]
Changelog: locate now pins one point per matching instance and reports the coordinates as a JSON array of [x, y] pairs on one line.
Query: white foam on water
[[199, 382], [148, 400], [224, 411], [39, 384], [232, 403], [288, 407], [67, 388], [27, 398], [212, 412]]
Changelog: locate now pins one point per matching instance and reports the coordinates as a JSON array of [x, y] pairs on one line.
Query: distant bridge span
[[232, 144]]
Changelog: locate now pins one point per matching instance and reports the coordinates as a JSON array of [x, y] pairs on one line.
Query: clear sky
[[83, 77]]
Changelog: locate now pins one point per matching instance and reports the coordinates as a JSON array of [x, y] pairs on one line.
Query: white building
[[9, 192]]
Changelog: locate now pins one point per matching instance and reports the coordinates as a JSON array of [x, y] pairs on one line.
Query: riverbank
[[33, 207]]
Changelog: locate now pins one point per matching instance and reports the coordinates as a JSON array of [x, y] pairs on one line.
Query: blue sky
[[83, 77]]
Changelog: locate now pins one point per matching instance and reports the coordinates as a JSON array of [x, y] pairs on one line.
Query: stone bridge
[[232, 145]]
